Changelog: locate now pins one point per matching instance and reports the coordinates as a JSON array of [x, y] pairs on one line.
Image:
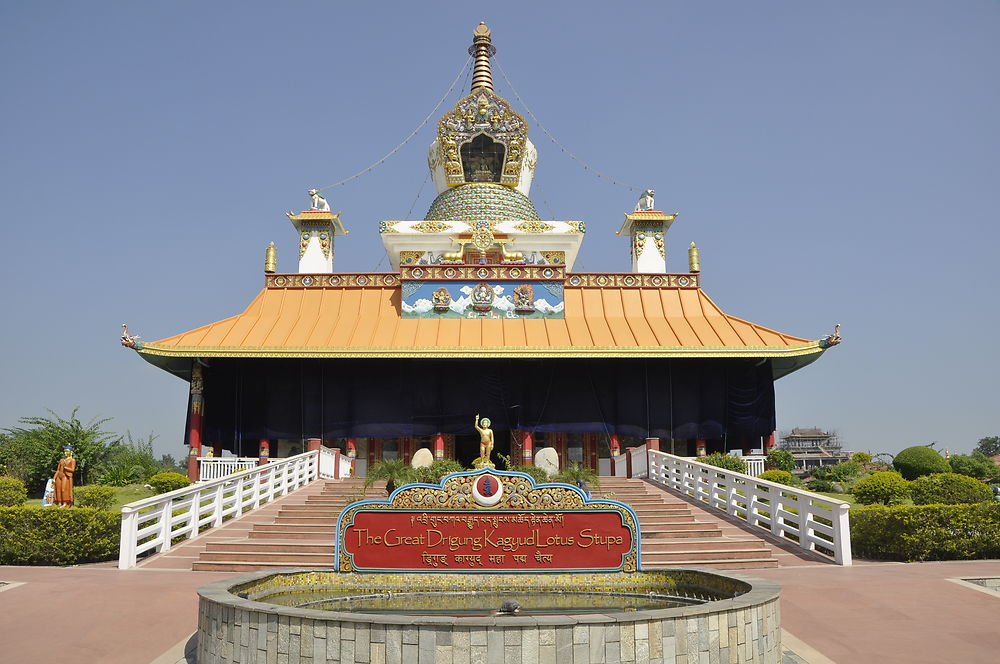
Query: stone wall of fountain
[[740, 622]]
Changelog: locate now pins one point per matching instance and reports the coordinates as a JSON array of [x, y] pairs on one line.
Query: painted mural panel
[[482, 299]]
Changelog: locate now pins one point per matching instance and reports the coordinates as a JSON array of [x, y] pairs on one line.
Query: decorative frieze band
[[492, 272], [338, 280], [629, 280]]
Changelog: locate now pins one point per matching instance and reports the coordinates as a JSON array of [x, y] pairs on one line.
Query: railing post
[[166, 516], [127, 542], [842, 536], [217, 505]]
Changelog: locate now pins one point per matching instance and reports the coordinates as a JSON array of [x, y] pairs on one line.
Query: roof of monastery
[[355, 320]]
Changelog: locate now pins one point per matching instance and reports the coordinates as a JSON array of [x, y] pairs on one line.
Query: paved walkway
[[881, 613]]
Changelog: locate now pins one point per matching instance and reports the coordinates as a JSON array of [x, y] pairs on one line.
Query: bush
[[433, 473], [862, 458], [12, 492], [948, 489], [821, 486], [845, 471], [98, 496], [779, 476], [54, 536], [976, 465], [164, 482], [735, 464], [913, 462], [881, 487], [926, 532], [781, 460], [536, 473], [821, 473]]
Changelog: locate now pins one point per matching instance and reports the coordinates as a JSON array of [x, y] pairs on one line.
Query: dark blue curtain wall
[[307, 398]]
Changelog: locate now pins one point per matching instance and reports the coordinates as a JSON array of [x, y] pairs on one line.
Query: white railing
[[817, 523], [212, 468], [755, 465], [638, 461], [154, 523]]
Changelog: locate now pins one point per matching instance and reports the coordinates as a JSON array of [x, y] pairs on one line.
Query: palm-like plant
[[393, 471], [581, 476]]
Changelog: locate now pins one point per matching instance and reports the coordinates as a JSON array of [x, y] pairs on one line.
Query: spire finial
[[483, 50]]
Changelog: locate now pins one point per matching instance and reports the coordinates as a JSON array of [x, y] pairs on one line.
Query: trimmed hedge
[[881, 487], [719, 460], [926, 532], [779, 477], [948, 489], [98, 496], [166, 482], [57, 535], [12, 492], [919, 460]]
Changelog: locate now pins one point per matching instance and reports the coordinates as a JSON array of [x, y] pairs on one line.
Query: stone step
[[246, 566], [678, 534], [248, 546], [287, 558], [703, 555], [314, 533], [747, 563], [711, 544]]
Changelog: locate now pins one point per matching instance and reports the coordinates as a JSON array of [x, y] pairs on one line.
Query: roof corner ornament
[[645, 201], [270, 259], [318, 202], [128, 340], [832, 339], [694, 260]]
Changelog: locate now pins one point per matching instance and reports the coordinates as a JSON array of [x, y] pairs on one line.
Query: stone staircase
[[675, 532]]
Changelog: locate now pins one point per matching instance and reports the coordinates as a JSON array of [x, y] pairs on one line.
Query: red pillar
[[615, 445], [313, 444], [194, 429], [527, 449], [352, 449], [438, 446], [652, 443], [405, 450], [745, 445], [699, 447], [265, 452], [769, 442]]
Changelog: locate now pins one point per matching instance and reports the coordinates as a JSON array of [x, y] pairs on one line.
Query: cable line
[[557, 143], [412, 133]]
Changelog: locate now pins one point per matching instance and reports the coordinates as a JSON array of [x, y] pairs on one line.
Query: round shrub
[[919, 460], [861, 457], [98, 496], [948, 489], [781, 460], [735, 464], [820, 486], [779, 477], [12, 492], [881, 487], [164, 482]]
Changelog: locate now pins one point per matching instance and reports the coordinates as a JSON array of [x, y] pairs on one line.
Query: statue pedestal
[[481, 463]]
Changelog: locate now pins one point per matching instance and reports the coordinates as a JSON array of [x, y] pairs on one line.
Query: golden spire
[[270, 259], [694, 262], [482, 49]]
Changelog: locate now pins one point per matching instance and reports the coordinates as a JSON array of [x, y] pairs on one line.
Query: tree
[[781, 460], [989, 446], [974, 465], [32, 450]]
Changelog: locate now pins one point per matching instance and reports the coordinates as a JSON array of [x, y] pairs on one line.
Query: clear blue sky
[[835, 162]]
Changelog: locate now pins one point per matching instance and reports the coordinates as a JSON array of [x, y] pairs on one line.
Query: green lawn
[[123, 495]]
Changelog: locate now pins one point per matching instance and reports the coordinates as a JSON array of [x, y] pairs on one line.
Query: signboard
[[488, 521]]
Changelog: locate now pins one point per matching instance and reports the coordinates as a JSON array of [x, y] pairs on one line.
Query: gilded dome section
[[481, 200]]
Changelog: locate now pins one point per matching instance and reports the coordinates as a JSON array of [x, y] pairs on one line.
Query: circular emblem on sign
[[683, 281], [575, 281], [487, 490], [450, 272], [307, 281], [657, 280], [602, 280], [362, 280], [515, 272], [417, 272], [279, 281], [390, 280], [548, 272], [629, 280], [482, 273], [334, 281]]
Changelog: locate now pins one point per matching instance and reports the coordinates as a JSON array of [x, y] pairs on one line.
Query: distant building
[[813, 448]]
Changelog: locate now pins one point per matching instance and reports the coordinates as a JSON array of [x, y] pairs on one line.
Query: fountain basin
[[737, 621]]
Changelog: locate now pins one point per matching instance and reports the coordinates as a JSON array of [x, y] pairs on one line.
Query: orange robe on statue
[[63, 481]]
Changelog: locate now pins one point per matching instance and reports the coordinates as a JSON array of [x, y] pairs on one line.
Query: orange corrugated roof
[[366, 322]]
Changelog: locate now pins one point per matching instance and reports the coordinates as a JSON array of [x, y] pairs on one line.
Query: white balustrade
[[815, 522], [212, 468], [153, 524], [755, 465], [639, 461], [328, 463]]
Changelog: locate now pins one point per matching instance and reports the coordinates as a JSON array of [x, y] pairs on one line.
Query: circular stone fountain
[[574, 617]]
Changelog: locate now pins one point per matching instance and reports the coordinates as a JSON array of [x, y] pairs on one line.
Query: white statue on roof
[[318, 202], [645, 201]]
